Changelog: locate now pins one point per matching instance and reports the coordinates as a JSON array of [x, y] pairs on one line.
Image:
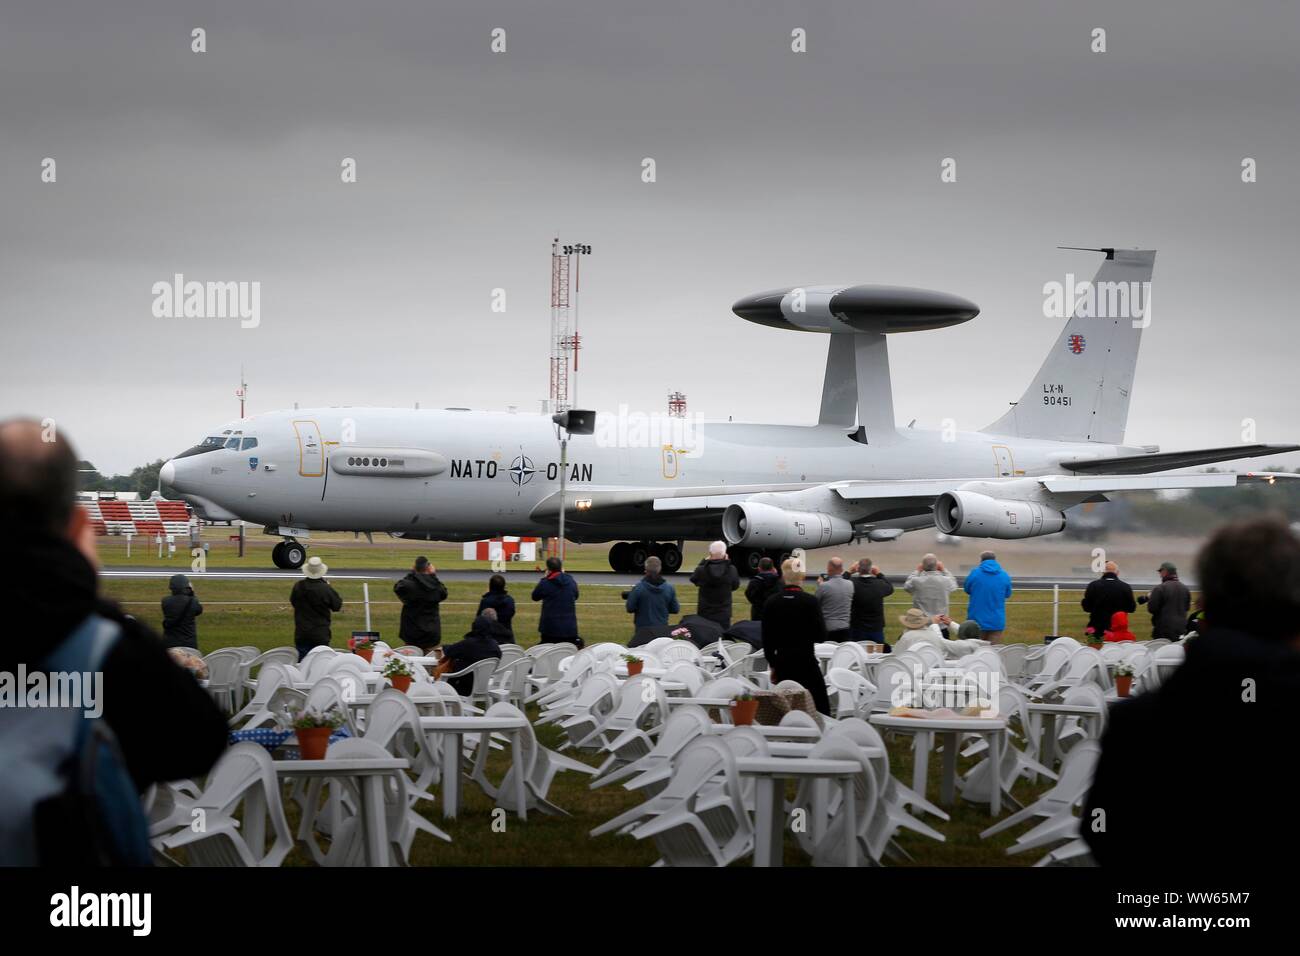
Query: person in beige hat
[[920, 628], [313, 600]]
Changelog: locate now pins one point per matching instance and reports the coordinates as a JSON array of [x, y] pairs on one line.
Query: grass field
[[257, 612]]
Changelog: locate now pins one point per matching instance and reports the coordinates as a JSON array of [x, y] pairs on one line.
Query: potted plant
[[743, 709], [399, 673], [1092, 638], [1123, 678], [634, 664], [363, 647], [313, 729]]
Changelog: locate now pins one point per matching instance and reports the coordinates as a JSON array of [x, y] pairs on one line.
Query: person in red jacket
[[1118, 630]]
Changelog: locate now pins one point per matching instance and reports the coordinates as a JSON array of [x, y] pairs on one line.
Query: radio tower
[[242, 392], [677, 405], [565, 340]]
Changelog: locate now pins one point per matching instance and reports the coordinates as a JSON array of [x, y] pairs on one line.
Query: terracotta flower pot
[[1124, 684], [634, 668], [312, 741], [743, 712], [400, 682], [366, 654]]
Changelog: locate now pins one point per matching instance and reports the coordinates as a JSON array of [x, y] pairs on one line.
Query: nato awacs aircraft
[[455, 474]]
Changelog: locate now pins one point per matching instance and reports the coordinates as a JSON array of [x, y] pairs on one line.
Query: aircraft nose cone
[[167, 473]]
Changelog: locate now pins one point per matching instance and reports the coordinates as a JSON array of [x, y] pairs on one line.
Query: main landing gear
[[289, 555], [629, 557], [746, 559]]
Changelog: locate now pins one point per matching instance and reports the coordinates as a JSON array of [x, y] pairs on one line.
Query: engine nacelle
[[754, 525], [973, 515]]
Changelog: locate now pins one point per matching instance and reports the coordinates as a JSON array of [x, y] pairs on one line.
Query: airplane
[[766, 489]]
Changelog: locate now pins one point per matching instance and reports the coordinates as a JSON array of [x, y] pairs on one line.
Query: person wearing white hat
[[313, 600]]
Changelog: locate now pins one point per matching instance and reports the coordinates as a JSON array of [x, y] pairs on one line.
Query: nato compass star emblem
[[522, 470]]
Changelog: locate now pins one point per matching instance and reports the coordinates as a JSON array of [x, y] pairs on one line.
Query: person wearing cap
[[420, 593], [179, 609], [1105, 596], [313, 600], [1168, 603]]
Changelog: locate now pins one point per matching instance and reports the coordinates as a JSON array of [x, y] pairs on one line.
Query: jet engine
[[973, 515], [756, 525]]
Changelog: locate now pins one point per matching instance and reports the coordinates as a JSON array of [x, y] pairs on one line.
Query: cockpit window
[[212, 443], [249, 443]]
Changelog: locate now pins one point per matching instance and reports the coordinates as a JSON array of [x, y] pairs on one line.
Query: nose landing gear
[[289, 555]]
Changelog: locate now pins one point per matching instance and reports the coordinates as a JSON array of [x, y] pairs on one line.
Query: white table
[[991, 729], [371, 809], [453, 731], [1049, 713], [770, 774]]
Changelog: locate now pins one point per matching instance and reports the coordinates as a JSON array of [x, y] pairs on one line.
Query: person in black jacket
[[1106, 595], [1190, 774], [558, 592], [500, 601], [792, 624], [420, 593], [313, 600], [478, 645], [867, 613], [179, 609], [761, 587], [716, 577], [166, 725]]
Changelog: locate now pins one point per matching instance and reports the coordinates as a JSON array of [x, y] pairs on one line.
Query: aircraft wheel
[[671, 556], [295, 555], [640, 550], [746, 560], [620, 556], [277, 556]]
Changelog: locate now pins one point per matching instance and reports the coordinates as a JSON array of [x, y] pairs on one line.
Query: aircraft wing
[[1165, 461], [588, 503]]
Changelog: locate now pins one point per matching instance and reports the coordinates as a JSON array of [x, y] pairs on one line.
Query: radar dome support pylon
[[856, 387]]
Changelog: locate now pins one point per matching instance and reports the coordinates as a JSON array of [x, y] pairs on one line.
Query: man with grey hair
[[835, 597], [930, 584], [867, 612], [716, 578]]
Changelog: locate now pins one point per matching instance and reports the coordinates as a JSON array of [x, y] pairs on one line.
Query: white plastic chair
[[1069, 790], [220, 841]]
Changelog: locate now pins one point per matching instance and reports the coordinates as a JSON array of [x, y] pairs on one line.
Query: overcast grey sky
[[774, 168]]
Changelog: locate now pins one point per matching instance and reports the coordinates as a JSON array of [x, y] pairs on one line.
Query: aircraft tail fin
[[1082, 390]]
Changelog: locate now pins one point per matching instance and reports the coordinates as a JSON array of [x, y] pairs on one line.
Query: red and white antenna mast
[[677, 404], [565, 339], [242, 392]]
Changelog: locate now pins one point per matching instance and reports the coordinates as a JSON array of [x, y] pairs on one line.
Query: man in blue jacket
[[653, 598], [989, 587], [558, 592]]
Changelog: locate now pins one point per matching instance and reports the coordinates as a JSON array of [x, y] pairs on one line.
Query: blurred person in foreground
[[1197, 772], [165, 724]]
